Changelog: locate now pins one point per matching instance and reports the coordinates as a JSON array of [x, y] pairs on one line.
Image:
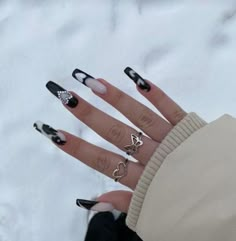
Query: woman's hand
[[115, 131]]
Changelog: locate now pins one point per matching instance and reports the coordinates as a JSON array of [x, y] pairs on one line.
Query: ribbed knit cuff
[[185, 128]]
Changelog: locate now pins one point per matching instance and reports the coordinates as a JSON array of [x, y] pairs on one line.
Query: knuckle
[[76, 149], [178, 115], [145, 119], [116, 98], [116, 134], [85, 112], [102, 162], [161, 96]]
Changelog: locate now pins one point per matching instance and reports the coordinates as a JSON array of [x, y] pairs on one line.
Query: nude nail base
[[89, 81]]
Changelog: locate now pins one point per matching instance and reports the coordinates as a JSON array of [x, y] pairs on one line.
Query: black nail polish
[[87, 204], [66, 97], [89, 81], [94, 205], [138, 80], [54, 135], [81, 76]]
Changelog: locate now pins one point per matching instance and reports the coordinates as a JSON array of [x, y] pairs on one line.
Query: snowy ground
[[188, 48]]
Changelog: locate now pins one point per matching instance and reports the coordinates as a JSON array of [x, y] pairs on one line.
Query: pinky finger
[[118, 200]]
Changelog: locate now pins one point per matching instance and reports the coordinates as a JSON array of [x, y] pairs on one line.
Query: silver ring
[[121, 170], [136, 143]]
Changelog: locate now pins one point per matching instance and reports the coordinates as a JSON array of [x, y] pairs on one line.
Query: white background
[[188, 48]]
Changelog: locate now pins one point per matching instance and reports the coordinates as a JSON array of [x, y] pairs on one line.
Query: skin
[[153, 126]]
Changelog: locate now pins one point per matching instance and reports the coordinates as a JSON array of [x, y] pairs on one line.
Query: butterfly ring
[[136, 143]]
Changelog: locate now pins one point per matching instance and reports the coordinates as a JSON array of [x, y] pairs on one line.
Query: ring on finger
[[121, 170], [136, 143]]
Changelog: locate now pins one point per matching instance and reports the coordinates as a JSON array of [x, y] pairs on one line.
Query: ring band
[[121, 170], [136, 143]]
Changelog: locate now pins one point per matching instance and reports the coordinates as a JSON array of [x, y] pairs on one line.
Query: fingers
[[95, 157], [143, 117], [168, 108], [140, 115], [106, 126], [112, 130]]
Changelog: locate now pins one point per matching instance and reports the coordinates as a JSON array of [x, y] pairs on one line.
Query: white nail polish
[[102, 207], [89, 81], [96, 86], [54, 135]]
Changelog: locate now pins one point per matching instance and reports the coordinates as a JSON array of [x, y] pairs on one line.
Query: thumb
[[119, 199]]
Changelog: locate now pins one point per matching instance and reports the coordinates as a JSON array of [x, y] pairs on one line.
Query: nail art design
[[138, 80], [66, 97], [94, 205], [54, 135], [89, 81]]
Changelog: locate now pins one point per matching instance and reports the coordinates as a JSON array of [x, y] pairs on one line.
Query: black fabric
[[103, 227]]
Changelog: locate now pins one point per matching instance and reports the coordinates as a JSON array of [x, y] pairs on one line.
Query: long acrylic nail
[[138, 80], [54, 135], [89, 81], [66, 97], [94, 205]]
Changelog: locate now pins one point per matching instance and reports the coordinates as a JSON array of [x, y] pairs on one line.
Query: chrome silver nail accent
[[64, 96]]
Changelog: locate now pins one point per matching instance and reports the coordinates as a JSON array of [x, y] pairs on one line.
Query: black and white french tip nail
[[89, 81], [94, 205], [54, 135], [66, 97], [138, 80]]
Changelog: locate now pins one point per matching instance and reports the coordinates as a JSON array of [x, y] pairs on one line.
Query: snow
[[185, 47]]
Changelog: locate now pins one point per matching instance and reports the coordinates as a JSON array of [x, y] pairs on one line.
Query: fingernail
[[89, 81], [94, 205], [54, 135], [66, 97], [138, 80]]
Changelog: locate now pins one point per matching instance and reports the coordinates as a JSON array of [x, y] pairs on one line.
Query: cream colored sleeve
[[185, 191]]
